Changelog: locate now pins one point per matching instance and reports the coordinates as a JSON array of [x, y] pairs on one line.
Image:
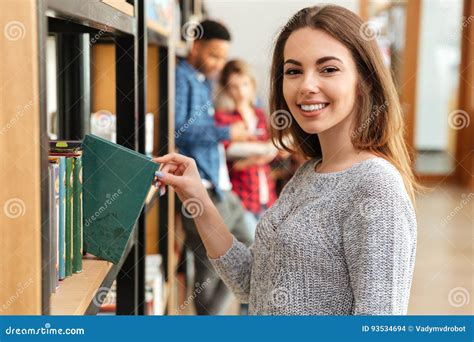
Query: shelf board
[[76, 293], [83, 293], [108, 16], [120, 5]]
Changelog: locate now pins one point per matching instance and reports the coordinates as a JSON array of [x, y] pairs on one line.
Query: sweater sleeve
[[379, 242], [234, 268]]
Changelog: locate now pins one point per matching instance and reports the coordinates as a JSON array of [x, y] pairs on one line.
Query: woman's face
[[240, 88], [320, 80]]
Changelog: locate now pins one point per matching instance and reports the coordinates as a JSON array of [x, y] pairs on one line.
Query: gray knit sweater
[[340, 243]]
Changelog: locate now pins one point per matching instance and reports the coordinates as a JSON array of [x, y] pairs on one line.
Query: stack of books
[[66, 209], [95, 215]]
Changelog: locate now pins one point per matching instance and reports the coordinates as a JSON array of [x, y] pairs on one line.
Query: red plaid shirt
[[245, 183]]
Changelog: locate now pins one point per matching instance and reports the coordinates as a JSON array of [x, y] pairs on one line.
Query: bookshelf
[[90, 36]]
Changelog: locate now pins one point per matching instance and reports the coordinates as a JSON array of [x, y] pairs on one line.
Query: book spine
[[69, 214], [62, 218], [56, 225], [77, 216], [51, 229]]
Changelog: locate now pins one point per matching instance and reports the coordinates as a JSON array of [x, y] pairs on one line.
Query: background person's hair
[[213, 30], [378, 124], [236, 66]]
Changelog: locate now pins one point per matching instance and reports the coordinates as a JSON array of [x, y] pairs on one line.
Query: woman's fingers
[[173, 157], [169, 179], [170, 168]]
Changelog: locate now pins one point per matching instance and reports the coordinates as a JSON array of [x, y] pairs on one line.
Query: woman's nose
[[310, 85]]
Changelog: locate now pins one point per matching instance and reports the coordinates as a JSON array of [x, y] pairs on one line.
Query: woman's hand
[[182, 174]]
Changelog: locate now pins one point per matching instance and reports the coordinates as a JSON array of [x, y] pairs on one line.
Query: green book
[[115, 184], [69, 214], [77, 216]]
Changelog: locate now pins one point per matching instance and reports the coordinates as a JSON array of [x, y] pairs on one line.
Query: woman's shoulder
[[379, 178]]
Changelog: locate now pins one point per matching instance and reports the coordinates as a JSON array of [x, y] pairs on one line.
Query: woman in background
[[250, 176]]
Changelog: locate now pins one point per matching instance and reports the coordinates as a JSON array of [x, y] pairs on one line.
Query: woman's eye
[[292, 72], [329, 70]]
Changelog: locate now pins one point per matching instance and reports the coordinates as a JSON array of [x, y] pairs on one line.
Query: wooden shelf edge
[[120, 5], [97, 15], [83, 293], [75, 293]]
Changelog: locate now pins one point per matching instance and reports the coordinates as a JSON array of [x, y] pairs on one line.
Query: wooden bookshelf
[[107, 16], [20, 218], [115, 64]]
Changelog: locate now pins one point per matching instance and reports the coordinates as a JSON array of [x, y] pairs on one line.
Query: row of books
[[66, 210]]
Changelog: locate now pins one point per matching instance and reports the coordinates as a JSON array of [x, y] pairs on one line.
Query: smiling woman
[[341, 238], [330, 75]]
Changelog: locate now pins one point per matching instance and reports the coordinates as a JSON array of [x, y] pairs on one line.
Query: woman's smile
[[312, 110]]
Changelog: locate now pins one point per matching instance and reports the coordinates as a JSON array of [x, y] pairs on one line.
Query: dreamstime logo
[[99, 34], [100, 296], [14, 30], [19, 114], [206, 107], [467, 21], [192, 208], [14, 208], [280, 297], [281, 119], [22, 286], [198, 288], [464, 201], [459, 296], [370, 208], [192, 30], [458, 119], [376, 110], [368, 31], [103, 119], [110, 199]]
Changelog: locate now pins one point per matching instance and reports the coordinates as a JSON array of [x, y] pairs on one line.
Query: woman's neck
[[338, 152]]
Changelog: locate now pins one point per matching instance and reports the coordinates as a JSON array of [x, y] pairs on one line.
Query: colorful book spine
[[77, 217], [62, 218], [69, 213], [56, 223], [52, 224]]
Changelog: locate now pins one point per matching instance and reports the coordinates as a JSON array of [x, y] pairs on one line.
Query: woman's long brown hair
[[379, 124]]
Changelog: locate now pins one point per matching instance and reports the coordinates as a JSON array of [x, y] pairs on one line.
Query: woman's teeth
[[311, 108]]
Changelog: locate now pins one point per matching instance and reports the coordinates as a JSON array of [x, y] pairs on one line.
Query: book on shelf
[[97, 191], [116, 182], [77, 216], [60, 193], [65, 155], [69, 213], [53, 175]]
